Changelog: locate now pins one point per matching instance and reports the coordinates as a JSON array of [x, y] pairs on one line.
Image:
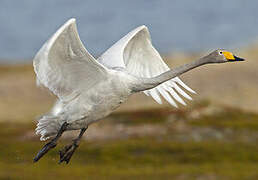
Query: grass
[[133, 158], [155, 157], [144, 116], [234, 120], [137, 158], [228, 118]]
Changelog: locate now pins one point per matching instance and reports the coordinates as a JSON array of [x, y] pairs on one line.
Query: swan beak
[[230, 57], [238, 58]]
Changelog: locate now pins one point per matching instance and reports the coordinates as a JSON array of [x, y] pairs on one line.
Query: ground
[[205, 142]]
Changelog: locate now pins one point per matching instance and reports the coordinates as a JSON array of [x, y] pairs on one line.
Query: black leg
[[67, 152], [51, 144]]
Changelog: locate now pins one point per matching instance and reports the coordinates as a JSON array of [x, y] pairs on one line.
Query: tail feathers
[[47, 127]]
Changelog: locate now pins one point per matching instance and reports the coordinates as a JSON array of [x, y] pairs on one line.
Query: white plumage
[[90, 89], [135, 53]]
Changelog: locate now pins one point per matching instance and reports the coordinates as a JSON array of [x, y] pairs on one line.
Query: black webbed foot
[[44, 150], [67, 152]]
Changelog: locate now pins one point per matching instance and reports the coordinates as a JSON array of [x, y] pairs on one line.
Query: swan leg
[[51, 144], [67, 152]]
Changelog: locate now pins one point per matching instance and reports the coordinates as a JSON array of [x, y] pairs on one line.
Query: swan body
[[89, 89], [95, 103]]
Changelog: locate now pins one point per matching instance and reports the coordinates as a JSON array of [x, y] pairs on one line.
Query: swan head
[[222, 56]]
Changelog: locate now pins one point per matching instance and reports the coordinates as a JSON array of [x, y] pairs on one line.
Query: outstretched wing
[[64, 66], [135, 53]]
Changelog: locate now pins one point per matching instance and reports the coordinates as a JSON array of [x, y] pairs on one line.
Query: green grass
[[229, 118], [149, 157], [155, 116], [133, 158]]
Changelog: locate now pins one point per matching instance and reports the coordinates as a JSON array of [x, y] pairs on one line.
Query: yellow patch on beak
[[228, 55]]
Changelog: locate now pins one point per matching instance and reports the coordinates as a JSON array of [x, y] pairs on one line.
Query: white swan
[[90, 89]]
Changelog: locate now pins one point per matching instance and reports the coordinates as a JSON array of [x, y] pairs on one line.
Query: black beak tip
[[238, 58]]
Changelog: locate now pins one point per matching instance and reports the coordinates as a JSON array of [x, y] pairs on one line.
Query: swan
[[89, 89]]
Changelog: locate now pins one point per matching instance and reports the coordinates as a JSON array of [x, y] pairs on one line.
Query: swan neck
[[149, 83]]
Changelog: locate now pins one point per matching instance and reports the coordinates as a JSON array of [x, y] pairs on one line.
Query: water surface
[[175, 25]]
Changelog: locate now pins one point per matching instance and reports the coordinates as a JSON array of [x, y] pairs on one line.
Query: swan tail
[[47, 126]]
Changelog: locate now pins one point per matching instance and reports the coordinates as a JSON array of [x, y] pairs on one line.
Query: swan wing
[[136, 54], [64, 66]]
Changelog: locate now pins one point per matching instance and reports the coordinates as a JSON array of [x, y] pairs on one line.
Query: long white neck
[[149, 83]]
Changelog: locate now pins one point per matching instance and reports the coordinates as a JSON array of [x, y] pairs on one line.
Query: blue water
[[175, 25]]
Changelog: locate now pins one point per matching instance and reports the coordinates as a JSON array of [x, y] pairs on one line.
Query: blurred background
[[213, 137]]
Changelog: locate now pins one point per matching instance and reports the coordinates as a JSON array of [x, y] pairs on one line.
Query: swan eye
[[220, 52]]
